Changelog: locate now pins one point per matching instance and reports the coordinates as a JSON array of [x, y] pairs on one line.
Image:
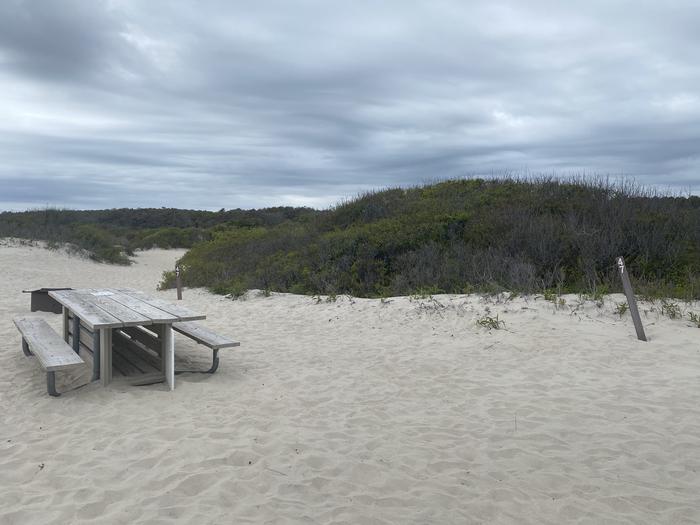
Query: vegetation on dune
[[112, 235], [537, 235], [466, 235]]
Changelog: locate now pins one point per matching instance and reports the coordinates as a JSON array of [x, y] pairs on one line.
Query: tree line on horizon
[[456, 236], [113, 235]]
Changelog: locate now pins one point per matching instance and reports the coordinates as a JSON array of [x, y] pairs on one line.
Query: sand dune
[[359, 411]]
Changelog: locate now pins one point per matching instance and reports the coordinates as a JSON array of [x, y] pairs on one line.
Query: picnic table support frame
[[169, 354], [76, 334], [106, 355], [96, 355], [213, 368], [25, 348], [51, 384], [66, 323]]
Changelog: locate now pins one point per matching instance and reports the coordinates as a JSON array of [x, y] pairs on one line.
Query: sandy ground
[[359, 411]]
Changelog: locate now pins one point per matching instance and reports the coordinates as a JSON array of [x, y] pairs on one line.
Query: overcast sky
[[224, 104]]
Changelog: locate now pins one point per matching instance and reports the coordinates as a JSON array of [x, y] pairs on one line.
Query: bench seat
[[52, 352], [205, 336]]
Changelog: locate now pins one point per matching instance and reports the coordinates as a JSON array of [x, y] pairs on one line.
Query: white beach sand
[[358, 411]]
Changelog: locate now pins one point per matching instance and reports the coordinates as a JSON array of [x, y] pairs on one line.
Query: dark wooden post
[[178, 282], [631, 301], [76, 333], [95, 354]]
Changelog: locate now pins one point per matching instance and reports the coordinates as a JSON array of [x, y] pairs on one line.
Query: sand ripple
[[359, 412]]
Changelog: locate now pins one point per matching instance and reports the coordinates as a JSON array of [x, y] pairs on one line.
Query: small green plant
[[297, 289], [237, 292], [167, 281], [599, 293], [232, 289], [554, 298], [491, 322], [550, 295], [425, 292], [695, 318], [265, 292], [331, 298], [670, 309], [621, 309]]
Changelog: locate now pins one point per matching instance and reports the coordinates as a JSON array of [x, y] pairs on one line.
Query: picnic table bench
[[206, 337], [52, 352]]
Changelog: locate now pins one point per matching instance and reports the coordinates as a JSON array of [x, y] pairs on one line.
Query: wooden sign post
[[631, 301], [178, 282]]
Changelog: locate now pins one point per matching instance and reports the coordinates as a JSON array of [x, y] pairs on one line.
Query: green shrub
[[476, 235], [621, 309]]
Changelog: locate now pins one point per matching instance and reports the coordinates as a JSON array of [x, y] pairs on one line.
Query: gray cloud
[[223, 104]]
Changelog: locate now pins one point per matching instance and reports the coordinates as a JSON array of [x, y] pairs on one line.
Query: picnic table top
[[119, 307]]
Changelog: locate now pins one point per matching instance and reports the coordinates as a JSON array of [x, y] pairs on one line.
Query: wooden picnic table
[[105, 309]]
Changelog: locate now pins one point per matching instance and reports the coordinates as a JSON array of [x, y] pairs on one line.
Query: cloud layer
[[228, 104]]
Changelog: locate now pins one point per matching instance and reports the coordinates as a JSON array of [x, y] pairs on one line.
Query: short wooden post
[[178, 282], [631, 301]]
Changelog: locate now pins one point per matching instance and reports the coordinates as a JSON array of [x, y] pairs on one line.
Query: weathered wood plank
[[120, 367], [91, 314], [204, 336], [83, 324], [145, 337], [143, 359], [86, 338], [124, 361], [126, 315], [182, 313], [148, 379], [155, 314], [49, 347]]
